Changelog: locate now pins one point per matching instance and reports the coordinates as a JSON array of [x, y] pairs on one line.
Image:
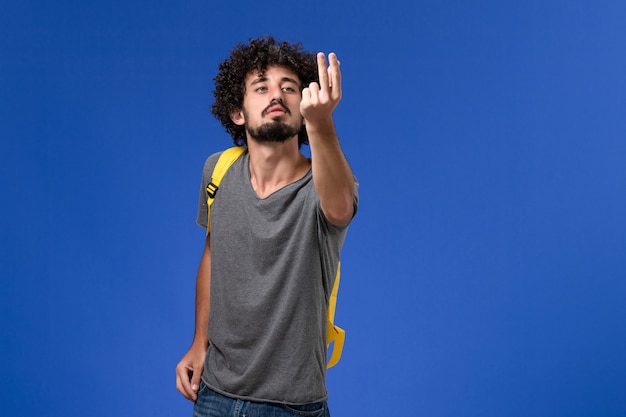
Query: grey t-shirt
[[273, 264]]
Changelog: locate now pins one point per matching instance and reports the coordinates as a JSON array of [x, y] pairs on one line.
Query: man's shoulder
[[232, 159], [211, 160]]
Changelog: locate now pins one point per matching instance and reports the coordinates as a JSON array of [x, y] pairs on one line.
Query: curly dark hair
[[257, 56]]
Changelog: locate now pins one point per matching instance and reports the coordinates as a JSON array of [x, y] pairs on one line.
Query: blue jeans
[[212, 404]]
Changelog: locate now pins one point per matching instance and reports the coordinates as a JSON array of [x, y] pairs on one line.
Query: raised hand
[[319, 100]]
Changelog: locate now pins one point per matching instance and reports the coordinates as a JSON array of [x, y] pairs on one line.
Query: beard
[[275, 131]]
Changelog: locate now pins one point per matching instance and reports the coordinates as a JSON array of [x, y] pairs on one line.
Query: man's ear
[[238, 118]]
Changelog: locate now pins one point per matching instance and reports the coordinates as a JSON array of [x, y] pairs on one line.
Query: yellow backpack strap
[[226, 159], [334, 333]]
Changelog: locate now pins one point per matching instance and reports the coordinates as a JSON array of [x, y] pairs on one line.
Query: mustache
[[275, 103]]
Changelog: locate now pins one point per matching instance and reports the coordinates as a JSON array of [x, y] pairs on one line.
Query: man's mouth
[[275, 110]]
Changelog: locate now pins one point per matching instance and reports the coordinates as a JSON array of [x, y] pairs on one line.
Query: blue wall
[[483, 276]]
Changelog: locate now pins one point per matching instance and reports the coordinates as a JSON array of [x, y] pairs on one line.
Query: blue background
[[483, 276]]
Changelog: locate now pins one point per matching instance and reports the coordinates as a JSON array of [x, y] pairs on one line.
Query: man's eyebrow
[[259, 80], [291, 80]]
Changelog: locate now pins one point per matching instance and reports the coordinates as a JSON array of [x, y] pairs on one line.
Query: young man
[[277, 227]]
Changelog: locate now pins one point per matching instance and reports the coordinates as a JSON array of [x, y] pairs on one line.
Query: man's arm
[[332, 175], [189, 369]]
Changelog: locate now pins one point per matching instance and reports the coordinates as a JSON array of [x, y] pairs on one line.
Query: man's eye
[[261, 89], [289, 89]]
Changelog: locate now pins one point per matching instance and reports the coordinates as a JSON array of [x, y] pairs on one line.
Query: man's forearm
[[203, 297], [332, 175]]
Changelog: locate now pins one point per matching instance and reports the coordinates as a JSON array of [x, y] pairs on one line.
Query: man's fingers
[[320, 99], [329, 75], [322, 71], [195, 382], [334, 74], [314, 91], [306, 94], [183, 384]]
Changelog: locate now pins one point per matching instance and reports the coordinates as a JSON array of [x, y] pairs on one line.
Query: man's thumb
[[195, 381]]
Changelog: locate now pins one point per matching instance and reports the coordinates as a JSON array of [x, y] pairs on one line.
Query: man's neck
[[275, 165]]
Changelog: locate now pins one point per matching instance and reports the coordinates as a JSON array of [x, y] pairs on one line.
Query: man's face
[[271, 105]]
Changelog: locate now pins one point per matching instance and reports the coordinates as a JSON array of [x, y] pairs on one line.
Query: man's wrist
[[321, 127], [200, 342]]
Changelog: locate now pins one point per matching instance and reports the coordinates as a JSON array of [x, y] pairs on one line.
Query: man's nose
[[277, 94]]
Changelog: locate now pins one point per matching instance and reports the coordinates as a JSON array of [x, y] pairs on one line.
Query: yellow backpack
[[334, 334]]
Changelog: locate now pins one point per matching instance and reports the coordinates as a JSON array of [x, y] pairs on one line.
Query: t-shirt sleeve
[[356, 197]]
